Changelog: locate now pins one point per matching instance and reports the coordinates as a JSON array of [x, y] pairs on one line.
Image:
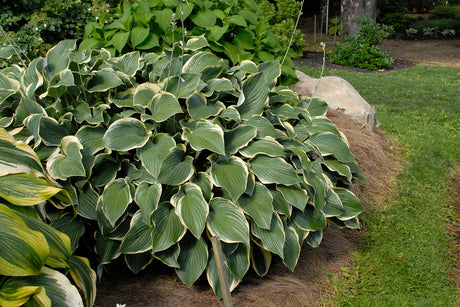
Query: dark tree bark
[[352, 9]]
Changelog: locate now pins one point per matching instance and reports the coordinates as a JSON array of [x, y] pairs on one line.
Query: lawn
[[407, 256]]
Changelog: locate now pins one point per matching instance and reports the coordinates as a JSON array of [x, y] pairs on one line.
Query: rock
[[339, 94]]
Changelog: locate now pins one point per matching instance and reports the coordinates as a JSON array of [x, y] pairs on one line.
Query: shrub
[[439, 24], [159, 152], [444, 12], [399, 21], [362, 50], [34, 254], [392, 6], [233, 28]]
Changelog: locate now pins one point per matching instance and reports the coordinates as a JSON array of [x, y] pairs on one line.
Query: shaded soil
[[307, 285]]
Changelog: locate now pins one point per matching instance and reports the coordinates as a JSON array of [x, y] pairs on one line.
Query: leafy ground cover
[[405, 260]]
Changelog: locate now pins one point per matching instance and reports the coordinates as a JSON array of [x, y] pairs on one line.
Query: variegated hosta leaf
[[239, 137], [227, 222], [272, 239], [351, 204], [334, 206], [106, 250], [199, 108], [115, 199], [258, 205], [264, 127], [169, 256], [203, 180], [295, 196], [184, 85], [128, 63], [196, 43], [236, 258], [138, 262], [212, 275], [51, 132], [147, 197], [8, 87], [260, 260], [217, 85], [330, 144], [155, 151], [58, 289], [144, 94], [139, 237], [84, 277], [16, 156], [125, 134], [67, 163], [14, 294], [26, 189], [163, 106], [266, 146], [199, 61], [272, 71], [32, 78], [192, 259], [91, 138], [308, 220], [176, 167], [232, 175], [168, 228], [280, 204], [92, 115], [314, 238], [317, 107], [58, 242], [58, 58], [104, 170], [255, 90], [102, 81], [273, 170], [24, 251], [191, 208], [292, 248], [204, 134]]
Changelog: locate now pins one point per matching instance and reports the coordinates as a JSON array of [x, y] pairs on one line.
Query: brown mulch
[[307, 285]]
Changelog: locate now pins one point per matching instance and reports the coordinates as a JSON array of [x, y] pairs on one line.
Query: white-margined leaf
[[196, 43], [232, 175], [227, 222], [308, 220], [239, 137], [91, 138], [144, 94], [138, 262], [264, 127], [199, 108], [192, 259], [292, 248], [8, 87], [266, 146], [260, 260], [115, 199], [84, 277], [255, 90], [147, 197], [154, 152], [330, 144], [51, 132], [204, 134], [176, 167], [351, 204], [32, 78], [168, 228], [139, 237], [169, 256], [272, 71], [191, 208], [217, 85], [68, 162], [280, 204], [163, 106], [125, 134], [184, 85], [199, 61], [272, 239], [314, 238], [104, 170], [273, 170], [103, 80], [92, 115], [334, 206], [212, 275], [128, 63], [295, 196], [258, 205], [237, 258], [58, 57]]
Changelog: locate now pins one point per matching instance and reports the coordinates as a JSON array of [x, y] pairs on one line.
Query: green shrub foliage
[[362, 50], [233, 29], [159, 152]]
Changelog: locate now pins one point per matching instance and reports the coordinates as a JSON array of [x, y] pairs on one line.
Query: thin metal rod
[[225, 288]]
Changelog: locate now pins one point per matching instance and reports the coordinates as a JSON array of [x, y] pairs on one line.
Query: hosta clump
[[161, 152], [233, 28]]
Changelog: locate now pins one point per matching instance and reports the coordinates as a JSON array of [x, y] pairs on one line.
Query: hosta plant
[[233, 29], [160, 152], [34, 256]]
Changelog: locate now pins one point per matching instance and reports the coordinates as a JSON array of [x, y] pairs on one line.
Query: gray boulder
[[339, 94]]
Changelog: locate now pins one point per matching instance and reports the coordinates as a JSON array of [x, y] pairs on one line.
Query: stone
[[339, 95]]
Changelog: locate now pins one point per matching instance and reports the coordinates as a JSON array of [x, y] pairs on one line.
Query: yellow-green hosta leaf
[[168, 228], [23, 251], [163, 106], [155, 151], [84, 277], [139, 236], [204, 134], [295, 196], [12, 294], [272, 239], [147, 197], [115, 199], [227, 221], [68, 162], [258, 205], [193, 258], [273, 170], [125, 134], [232, 175], [204, 18], [26, 189], [291, 251], [58, 242], [176, 167]]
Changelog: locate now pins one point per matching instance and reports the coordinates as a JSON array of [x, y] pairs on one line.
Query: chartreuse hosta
[[158, 157]]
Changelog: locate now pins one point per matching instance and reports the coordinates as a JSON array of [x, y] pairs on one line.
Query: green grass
[[405, 259]]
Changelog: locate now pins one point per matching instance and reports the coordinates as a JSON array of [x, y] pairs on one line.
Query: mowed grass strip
[[406, 259]]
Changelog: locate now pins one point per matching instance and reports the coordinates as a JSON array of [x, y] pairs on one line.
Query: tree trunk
[[352, 9]]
